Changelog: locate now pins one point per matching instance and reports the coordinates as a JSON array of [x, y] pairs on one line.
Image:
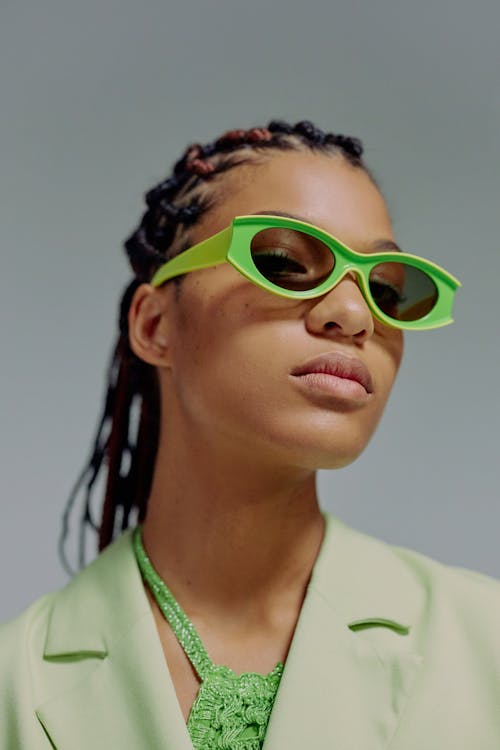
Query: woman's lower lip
[[334, 385]]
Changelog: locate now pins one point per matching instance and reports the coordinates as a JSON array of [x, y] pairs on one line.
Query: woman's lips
[[337, 374]]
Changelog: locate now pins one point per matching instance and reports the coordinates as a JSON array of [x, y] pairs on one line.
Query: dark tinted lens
[[291, 259], [402, 292]]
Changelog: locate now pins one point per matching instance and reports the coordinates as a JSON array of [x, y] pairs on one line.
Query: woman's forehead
[[320, 189]]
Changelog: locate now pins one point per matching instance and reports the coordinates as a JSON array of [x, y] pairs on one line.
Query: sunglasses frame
[[233, 245]]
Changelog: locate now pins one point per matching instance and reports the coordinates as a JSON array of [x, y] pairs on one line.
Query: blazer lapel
[[350, 668], [103, 647]]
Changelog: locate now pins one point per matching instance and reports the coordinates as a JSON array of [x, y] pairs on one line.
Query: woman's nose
[[343, 310]]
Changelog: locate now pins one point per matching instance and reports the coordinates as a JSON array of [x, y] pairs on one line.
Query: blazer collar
[[348, 675]]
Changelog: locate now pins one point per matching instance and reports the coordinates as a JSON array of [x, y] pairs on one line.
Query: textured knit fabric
[[230, 711]]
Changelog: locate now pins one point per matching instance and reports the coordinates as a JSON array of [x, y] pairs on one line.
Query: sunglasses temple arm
[[208, 253]]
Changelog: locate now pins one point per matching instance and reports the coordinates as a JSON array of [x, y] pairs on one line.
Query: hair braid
[[174, 204]]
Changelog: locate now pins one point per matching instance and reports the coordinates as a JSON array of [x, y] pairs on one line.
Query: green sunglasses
[[297, 260]]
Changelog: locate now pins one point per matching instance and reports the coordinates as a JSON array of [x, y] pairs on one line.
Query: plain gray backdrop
[[99, 98]]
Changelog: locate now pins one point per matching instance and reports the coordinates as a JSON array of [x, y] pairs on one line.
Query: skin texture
[[233, 523]]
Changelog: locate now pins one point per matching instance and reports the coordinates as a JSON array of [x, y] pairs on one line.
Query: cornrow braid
[[127, 433]]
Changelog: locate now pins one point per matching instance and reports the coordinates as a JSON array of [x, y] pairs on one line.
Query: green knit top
[[230, 711]]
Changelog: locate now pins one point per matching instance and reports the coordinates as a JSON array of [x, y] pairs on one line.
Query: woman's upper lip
[[341, 365]]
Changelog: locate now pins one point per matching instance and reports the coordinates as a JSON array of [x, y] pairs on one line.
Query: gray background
[[98, 98]]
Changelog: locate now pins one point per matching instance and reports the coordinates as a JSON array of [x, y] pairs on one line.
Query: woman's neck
[[230, 535]]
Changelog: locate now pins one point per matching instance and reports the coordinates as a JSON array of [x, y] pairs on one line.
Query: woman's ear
[[148, 324]]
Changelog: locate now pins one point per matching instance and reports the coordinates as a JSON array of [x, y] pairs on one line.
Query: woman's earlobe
[[147, 325]]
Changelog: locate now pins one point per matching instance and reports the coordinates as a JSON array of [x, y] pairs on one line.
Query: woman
[[234, 613]]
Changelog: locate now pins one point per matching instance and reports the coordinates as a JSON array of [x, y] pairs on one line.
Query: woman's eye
[[277, 262], [386, 295]]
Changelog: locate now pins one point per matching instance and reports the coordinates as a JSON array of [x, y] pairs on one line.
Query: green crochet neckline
[[230, 711]]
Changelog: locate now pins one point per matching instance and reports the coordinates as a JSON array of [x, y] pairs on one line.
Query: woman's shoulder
[[425, 567], [112, 567], [23, 626], [415, 587], [458, 578]]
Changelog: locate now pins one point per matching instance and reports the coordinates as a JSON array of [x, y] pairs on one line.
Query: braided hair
[[128, 429]]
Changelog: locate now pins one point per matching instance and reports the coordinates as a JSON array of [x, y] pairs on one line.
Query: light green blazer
[[392, 650]]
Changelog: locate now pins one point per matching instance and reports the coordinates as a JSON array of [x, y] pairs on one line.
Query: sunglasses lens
[[291, 259], [401, 291], [294, 260]]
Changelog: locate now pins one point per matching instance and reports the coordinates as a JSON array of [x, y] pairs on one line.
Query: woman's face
[[232, 346]]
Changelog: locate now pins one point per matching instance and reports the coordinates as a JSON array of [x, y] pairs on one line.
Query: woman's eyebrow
[[376, 245], [384, 245], [282, 213]]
